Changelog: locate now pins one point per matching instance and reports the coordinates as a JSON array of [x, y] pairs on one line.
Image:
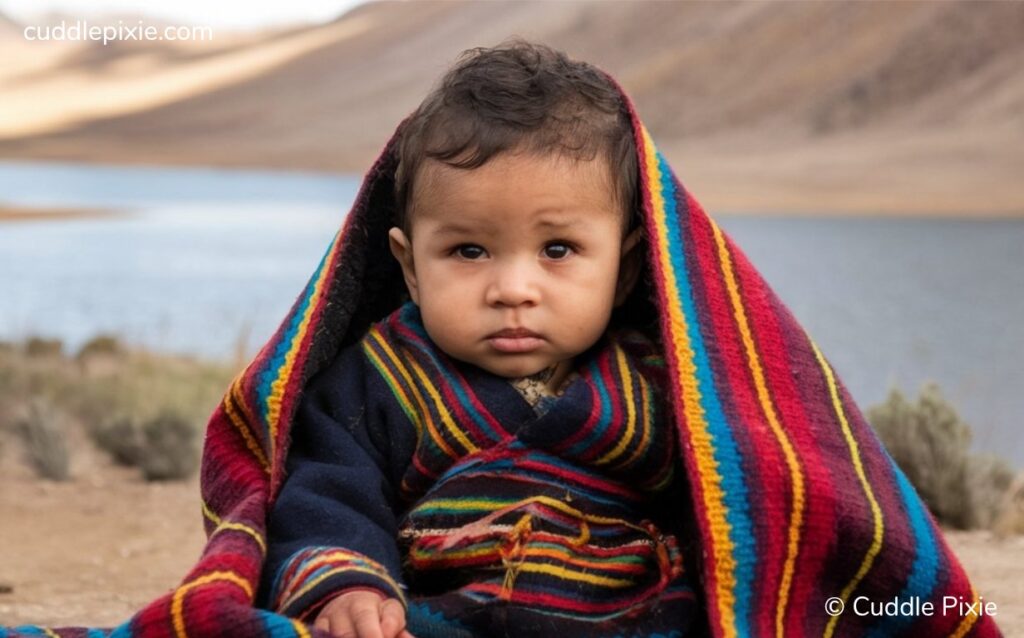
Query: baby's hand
[[363, 614]]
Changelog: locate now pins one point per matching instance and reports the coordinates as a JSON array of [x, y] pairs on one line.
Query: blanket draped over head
[[799, 509]]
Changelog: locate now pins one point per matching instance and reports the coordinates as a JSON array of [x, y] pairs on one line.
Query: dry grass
[[1010, 520], [43, 428], [145, 409]]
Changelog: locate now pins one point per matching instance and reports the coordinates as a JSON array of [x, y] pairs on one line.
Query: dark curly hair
[[518, 95]]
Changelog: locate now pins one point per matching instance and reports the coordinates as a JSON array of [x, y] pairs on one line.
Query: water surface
[[204, 256]]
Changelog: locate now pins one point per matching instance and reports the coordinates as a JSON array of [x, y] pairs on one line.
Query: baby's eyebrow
[[455, 228], [452, 228], [550, 223]]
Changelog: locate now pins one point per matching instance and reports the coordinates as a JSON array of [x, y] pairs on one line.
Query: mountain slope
[[778, 106]]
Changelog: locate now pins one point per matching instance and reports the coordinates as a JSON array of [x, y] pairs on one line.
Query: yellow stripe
[[876, 543], [703, 450], [493, 505], [968, 620], [561, 554], [284, 374], [246, 529], [221, 524], [432, 557], [645, 434], [396, 388], [241, 425], [569, 574], [470, 504], [329, 557], [209, 513], [179, 595], [446, 416], [423, 411], [764, 396], [663, 483], [300, 629], [624, 376]]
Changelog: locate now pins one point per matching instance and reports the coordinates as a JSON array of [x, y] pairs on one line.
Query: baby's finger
[[336, 625], [322, 623], [366, 618], [335, 621], [392, 618]]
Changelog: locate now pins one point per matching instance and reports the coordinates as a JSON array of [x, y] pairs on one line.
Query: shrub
[[164, 447], [929, 441], [990, 478], [121, 439], [43, 429], [101, 345], [170, 449], [43, 347], [1010, 519]]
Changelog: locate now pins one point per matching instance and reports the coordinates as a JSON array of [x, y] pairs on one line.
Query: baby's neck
[[553, 375]]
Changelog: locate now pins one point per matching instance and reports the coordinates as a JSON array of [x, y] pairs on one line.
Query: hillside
[[795, 106]]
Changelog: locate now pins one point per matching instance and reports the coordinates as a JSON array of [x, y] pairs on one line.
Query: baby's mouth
[[515, 340]]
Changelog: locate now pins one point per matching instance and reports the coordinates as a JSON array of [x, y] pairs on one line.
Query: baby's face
[[522, 242]]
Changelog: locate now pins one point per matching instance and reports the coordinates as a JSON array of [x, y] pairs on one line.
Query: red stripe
[[296, 376], [614, 428], [571, 478], [672, 365], [763, 464], [773, 327], [592, 419], [559, 602], [463, 420]]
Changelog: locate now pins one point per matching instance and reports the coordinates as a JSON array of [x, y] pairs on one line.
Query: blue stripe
[[496, 470], [924, 571], [122, 631], [597, 432], [726, 453], [277, 626], [272, 371]]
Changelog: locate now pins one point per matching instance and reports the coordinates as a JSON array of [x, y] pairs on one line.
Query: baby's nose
[[513, 284]]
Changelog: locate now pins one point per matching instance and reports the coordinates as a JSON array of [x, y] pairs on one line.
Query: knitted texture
[[553, 518], [795, 499], [508, 520]]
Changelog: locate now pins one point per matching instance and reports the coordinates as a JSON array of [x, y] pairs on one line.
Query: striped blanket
[[800, 510], [551, 518]]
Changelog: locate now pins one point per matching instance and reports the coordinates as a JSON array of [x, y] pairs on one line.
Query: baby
[[490, 456]]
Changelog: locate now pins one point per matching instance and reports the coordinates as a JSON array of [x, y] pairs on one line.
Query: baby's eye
[[557, 250], [469, 251]]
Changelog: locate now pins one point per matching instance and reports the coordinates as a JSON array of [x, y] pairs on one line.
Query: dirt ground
[[93, 550]]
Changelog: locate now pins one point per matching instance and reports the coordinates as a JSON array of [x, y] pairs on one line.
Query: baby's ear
[[401, 248], [629, 265]]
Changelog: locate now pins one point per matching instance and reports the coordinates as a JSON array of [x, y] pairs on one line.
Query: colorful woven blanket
[[546, 519], [800, 510]]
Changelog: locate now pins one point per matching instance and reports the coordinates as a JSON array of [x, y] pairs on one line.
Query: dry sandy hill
[[912, 107]]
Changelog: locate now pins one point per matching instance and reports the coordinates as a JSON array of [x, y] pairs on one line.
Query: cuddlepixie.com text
[[81, 30]]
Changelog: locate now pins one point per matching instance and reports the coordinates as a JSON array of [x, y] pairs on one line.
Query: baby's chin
[[512, 366]]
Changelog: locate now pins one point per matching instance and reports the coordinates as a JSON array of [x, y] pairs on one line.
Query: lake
[[204, 257]]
